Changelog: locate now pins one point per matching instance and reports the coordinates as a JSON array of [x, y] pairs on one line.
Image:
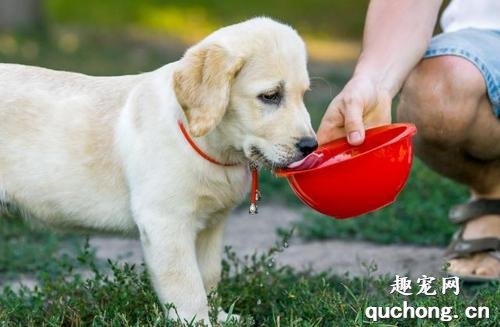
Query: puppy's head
[[248, 81]]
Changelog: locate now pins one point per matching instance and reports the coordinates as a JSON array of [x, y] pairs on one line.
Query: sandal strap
[[474, 209], [495, 254], [461, 248]]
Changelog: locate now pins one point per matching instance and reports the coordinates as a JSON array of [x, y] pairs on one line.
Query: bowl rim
[[410, 130]]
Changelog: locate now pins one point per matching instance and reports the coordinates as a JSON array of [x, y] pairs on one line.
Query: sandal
[[460, 248]]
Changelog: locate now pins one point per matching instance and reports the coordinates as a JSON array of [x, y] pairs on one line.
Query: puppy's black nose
[[307, 145]]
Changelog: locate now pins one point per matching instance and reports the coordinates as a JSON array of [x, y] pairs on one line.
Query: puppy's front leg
[[169, 249], [209, 252]]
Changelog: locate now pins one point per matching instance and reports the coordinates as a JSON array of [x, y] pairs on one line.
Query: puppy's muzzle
[[306, 145]]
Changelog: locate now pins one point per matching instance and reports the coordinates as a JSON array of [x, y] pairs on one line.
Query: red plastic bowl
[[349, 181]]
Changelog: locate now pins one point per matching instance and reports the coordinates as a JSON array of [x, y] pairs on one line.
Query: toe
[[488, 267], [463, 266]]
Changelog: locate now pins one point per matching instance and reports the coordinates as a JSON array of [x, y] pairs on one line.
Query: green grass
[[28, 250], [253, 287]]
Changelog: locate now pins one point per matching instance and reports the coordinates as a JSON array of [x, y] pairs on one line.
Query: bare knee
[[441, 97]]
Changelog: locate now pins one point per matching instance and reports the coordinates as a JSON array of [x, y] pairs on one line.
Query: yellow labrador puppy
[[108, 154]]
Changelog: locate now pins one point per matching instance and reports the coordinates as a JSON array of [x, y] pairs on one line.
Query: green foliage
[[65, 298], [253, 287], [26, 250], [419, 215], [324, 17]]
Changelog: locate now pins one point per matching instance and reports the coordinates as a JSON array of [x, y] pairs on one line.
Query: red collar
[[254, 192]]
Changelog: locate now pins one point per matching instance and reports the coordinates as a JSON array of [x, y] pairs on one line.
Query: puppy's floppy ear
[[202, 85]]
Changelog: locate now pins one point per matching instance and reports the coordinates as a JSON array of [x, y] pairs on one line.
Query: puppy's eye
[[270, 98]]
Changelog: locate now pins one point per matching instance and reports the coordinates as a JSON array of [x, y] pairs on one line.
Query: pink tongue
[[308, 162]]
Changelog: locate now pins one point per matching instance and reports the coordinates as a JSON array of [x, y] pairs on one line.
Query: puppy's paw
[[223, 316]]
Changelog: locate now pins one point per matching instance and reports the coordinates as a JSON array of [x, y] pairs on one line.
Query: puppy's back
[[57, 156]]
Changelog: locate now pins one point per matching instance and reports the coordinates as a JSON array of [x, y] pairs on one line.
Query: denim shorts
[[480, 47]]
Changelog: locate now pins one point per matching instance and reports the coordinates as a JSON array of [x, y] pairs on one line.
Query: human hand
[[362, 103]]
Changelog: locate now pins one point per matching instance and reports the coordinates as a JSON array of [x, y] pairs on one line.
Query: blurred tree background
[[332, 28], [329, 18]]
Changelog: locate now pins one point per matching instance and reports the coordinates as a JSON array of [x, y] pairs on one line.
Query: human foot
[[475, 252]]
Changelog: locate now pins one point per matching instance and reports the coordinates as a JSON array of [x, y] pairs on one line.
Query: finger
[[331, 126], [353, 123], [328, 134]]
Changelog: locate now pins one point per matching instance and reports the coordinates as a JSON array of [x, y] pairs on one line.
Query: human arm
[[396, 35]]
